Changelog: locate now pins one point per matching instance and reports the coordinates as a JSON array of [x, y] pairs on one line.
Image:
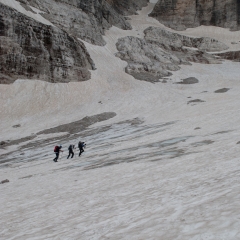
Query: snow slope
[[162, 168]]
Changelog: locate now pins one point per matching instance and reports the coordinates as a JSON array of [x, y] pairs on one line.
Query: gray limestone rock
[[222, 90], [190, 80], [161, 52], [86, 19], [195, 101], [4, 181], [128, 7], [175, 41], [146, 61], [182, 14], [231, 55], [30, 49]]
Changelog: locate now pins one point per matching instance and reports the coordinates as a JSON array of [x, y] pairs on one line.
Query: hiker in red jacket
[[57, 151]]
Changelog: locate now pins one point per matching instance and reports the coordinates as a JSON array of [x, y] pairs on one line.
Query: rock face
[[190, 80], [232, 55], [182, 14], [128, 7], [161, 52], [86, 19], [30, 49]]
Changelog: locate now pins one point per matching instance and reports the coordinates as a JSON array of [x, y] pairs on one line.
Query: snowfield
[[162, 160]]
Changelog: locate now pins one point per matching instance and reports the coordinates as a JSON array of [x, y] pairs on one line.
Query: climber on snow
[[81, 145], [70, 151], [57, 150]]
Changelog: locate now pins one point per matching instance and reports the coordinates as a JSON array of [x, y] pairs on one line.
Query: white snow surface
[[175, 175]]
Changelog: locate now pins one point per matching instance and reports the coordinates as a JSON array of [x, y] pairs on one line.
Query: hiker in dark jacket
[[57, 151], [81, 145], [70, 151]]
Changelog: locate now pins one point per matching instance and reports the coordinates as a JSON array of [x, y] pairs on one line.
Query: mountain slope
[[162, 157]]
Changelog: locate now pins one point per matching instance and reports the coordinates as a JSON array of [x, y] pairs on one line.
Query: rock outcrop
[[161, 52], [232, 55], [30, 49], [86, 19], [4, 181], [182, 14]]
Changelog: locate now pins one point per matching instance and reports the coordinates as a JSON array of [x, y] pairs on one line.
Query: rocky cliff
[[86, 19], [30, 49], [182, 14], [54, 53]]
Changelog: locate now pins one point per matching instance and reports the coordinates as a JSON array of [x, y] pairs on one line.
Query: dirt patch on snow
[[202, 143], [75, 127], [29, 176], [16, 142]]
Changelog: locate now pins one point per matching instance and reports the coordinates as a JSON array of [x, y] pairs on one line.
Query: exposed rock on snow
[[182, 14], [190, 80], [162, 51], [4, 181], [196, 101], [232, 55], [222, 90], [34, 50], [175, 42], [16, 126], [146, 61]]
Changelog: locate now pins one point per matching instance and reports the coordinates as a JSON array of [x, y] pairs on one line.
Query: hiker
[[70, 151], [81, 145], [57, 151]]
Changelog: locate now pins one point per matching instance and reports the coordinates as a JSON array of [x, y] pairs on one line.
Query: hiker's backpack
[[70, 147], [56, 149]]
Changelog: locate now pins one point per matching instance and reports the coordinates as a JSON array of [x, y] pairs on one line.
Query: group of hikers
[[58, 149]]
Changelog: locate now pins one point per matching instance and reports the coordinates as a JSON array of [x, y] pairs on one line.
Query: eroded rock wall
[[128, 7], [87, 19], [182, 14], [30, 49]]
